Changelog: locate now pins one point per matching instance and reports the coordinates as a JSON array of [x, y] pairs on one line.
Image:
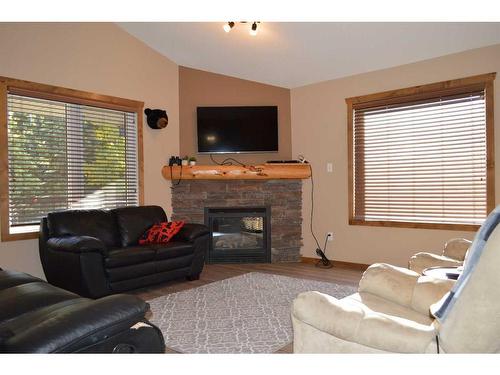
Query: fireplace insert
[[239, 234]]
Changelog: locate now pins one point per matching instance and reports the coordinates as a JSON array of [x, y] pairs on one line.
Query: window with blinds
[[67, 156], [421, 160]]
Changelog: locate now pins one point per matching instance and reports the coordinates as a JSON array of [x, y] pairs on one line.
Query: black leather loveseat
[[36, 317], [95, 252]]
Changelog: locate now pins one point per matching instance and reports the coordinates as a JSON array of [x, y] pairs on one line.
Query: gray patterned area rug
[[244, 314]]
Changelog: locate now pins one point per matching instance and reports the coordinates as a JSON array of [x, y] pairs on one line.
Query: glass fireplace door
[[238, 235]]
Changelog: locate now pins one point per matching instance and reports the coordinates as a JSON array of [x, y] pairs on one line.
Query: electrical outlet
[[329, 167], [330, 236]]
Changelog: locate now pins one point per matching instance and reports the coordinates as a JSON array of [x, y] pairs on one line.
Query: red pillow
[[161, 232]]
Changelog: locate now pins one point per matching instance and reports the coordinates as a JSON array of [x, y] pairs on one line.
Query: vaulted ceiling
[[296, 54]]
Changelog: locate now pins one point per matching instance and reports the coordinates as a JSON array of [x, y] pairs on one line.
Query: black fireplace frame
[[239, 255]]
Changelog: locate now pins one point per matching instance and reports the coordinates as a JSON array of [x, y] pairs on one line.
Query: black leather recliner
[[95, 252], [36, 317]]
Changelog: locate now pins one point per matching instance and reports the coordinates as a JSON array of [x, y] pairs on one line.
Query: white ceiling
[[296, 54]]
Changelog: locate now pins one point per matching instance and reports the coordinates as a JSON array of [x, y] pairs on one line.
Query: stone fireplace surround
[[284, 196]]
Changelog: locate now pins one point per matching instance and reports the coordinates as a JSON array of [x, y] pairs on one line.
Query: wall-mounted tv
[[237, 129]]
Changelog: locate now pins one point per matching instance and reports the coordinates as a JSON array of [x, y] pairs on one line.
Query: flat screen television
[[237, 129]]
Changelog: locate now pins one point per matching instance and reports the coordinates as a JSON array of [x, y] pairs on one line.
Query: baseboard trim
[[337, 263]]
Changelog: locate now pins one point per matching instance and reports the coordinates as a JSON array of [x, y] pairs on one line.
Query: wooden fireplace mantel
[[236, 172]]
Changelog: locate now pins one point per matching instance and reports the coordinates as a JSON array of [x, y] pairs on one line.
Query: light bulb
[[228, 26], [253, 30]]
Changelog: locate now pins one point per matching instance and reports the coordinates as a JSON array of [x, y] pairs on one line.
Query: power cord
[[226, 161], [174, 184], [324, 262], [312, 208]]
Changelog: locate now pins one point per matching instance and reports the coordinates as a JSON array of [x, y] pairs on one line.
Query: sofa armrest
[[77, 244], [456, 248], [395, 284], [420, 261], [77, 325], [190, 232], [349, 321]]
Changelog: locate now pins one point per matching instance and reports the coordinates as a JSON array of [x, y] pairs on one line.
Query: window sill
[[19, 236], [406, 224]]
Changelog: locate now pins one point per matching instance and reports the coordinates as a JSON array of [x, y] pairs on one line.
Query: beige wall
[[200, 88], [319, 132], [104, 59]]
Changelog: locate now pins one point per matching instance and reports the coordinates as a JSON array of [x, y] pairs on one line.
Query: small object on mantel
[[236, 172]]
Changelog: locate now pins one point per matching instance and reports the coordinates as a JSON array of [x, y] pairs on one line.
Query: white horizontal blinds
[[422, 161], [68, 156]]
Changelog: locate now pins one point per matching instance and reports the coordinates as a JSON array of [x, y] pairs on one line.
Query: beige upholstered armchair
[[390, 313], [392, 310], [452, 256]]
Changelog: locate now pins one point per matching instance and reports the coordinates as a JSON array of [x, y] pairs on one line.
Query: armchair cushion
[[77, 244], [403, 286], [420, 261], [390, 282], [190, 232], [354, 322], [379, 304]]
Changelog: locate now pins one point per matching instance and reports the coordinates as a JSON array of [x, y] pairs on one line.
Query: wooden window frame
[[456, 86], [49, 92]]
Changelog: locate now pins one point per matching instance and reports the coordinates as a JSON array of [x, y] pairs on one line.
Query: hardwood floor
[[215, 272]]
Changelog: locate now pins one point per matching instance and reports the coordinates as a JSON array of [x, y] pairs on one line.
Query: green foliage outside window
[[44, 162]]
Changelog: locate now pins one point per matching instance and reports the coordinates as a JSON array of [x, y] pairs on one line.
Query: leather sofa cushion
[[134, 221], [139, 254], [20, 325], [154, 278], [94, 223], [77, 244], [190, 232], [174, 263], [9, 279], [172, 250], [128, 256], [131, 272], [24, 298], [73, 325]]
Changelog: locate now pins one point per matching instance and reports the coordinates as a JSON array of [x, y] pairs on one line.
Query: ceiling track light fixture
[[253, 29], [228, 26]]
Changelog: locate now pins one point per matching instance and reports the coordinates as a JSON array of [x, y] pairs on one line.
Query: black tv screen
[[237, 129]]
